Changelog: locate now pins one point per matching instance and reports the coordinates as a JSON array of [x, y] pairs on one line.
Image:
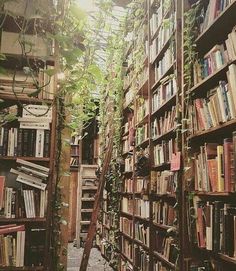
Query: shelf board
[[86, 210], [169, 70], [126, 193], [143, 144], [85, 222], [225, 21], [167, 104], [143, 89], [166, 135], [140, 243], [87, 199], [22, 220], [219, 128], [141, 218], [211, 80], [89, 187], [162, 166], [227, 258], [163, 49], [26, 268], [126, 235], [164, 260], [161, 226], [143, 121], [126, 214], [221, 194], [170, 196], [127, 153], [13, 98], [25, 158], [126, 258]]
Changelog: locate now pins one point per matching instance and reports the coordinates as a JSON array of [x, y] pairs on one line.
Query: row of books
[[216, 226], [163, 124], [142, 77], [141, 134], [127, 248], [164, 92], [142, 109], [164, 182], [12, 245], [213, 10], [163, 152], [129, 123], [218, 56], [127, 144], [142, 208], [214, 167], [164, 64], [126, 226], [166, 246], [24, 142], [23, 203], [129, 96], [163, 213], [142, 233], [128, 185], [127, 205], [164, 34], [158, 266], [158, 16], [141, 258], [214, 110], [141, 185], [129, 164]]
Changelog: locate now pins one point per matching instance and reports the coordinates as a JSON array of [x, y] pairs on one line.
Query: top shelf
[[222, 25]]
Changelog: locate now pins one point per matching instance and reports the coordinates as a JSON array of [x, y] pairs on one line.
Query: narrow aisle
[[96, 261]]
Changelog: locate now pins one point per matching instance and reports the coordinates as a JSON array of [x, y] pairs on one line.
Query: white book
[[26, 176], [42, 199], [33, 203], [18, 248], [22, 249], [33, 165], [41, 186], [15, 141], [34, 172], [35, 119], [222, 106], [39, 143]]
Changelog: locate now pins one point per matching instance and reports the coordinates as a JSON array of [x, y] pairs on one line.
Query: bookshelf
[[27, 148], [210, 140]]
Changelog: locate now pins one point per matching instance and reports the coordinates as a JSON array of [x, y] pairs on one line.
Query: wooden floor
[[96, 262]]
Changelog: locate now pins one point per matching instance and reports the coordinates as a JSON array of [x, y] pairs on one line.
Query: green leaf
[[95, 71], [50, 72]]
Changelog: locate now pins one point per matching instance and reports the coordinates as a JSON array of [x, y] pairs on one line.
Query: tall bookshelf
[[27, 143], [148, 222], [210, 192]]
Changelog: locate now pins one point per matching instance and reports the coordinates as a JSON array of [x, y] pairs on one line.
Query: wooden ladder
[[98, 197]]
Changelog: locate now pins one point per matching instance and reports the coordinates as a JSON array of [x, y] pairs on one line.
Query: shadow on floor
[[96, 261]]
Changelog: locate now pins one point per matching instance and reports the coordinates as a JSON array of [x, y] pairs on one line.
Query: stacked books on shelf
[[129, 163], [141, 134], [141, 185], [163, 152], [142, 110], [32, 137], [163, 182], [127, 205], [142, 208], [158, 266], [164, 64], [163, 213], [30, 200], [128, 185], [164, 124], [215, 226], [126, 226], [164, 92], [12, 240], [142, 233], [214, 167], [141, 258], [213, 10], [127, 248]]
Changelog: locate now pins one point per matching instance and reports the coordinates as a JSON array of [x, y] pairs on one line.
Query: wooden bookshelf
[[214, 30], [31, 217]]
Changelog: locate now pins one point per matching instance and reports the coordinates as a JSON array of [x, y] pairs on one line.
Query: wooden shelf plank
[[166, 105], [164, 260], [46, 159]]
